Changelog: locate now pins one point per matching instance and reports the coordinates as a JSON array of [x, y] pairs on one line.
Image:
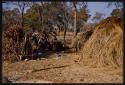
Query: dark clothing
[[20, 34], [57, 46], [28, 48], [35, 40]]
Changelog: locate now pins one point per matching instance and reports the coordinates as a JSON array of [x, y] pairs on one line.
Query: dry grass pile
[[104, 47], [83, 37]]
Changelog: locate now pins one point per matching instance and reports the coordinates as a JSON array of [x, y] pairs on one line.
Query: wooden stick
[[50, 68]]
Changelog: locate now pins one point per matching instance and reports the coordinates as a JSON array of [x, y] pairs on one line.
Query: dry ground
[[62, 69]]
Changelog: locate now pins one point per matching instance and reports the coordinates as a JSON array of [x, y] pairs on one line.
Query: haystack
[[104, 47], [85, 36]]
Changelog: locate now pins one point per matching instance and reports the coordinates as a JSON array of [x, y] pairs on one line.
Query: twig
[[50, 68]]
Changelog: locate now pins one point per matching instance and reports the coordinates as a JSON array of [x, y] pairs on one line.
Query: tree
[[115, 12], [82, 17], [118, 11], [11, 17], [22, 5], [66, 18], [82, 6], [50, 16], [98, 17], [118, 5], [32, 18], [75, 17], [39, 7]]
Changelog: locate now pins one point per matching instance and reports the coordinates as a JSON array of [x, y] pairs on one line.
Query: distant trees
[[21, 5], [118, 11], [118, 5], [50, 16], [11, 17], [81, 14], [57, 15], [66, 18], [98, 17], [31, 17]]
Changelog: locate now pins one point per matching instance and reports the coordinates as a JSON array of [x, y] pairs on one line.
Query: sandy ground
[[59, 69]]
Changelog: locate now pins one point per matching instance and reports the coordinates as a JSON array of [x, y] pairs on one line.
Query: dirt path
[[63, 69]]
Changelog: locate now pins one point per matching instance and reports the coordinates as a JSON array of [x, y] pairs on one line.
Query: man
[[27, 45], [35, 39], [20, 34], [75, 43], [35, 42], [42, 45], [54, 44]]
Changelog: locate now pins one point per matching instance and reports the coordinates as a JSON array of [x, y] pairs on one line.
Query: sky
[[92, 6], [99, 7]]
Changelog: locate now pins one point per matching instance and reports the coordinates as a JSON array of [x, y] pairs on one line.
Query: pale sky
[[92, 6]]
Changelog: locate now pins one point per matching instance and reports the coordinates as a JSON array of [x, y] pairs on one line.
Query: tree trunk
[[65, 30], [22, 23], [75, 18], [41, 14], [65, 27]]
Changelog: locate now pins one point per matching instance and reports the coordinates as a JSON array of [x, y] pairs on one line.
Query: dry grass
[[104, 47], [68, 33], [31, 71]]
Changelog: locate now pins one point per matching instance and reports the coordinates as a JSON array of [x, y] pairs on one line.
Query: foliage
[[117, 12], [98, 17], [11, 17], [31, 17], [118, 5]]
